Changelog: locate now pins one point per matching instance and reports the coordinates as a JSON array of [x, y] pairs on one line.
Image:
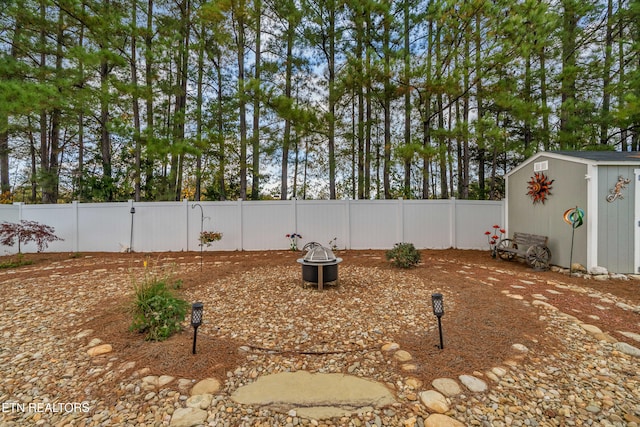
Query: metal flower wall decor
[[539, 187]]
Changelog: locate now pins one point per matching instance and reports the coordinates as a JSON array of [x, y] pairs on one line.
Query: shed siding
[[569, 190], [615, 231]]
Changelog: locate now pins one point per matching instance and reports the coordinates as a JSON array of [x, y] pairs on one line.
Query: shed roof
[[602, 156], [587, 157]]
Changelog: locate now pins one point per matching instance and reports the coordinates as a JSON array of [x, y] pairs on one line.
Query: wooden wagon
[[533, 248]]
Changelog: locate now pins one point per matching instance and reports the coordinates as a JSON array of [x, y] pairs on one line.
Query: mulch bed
[[477, 335]]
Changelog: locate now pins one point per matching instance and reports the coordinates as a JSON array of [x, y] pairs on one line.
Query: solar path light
[[132, 211], [196, 320], [438, 310]]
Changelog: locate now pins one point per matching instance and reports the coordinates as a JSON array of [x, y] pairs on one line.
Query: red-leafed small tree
[[25, 232]]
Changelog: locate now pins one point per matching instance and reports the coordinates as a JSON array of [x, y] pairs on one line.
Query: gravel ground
[[551, 350]]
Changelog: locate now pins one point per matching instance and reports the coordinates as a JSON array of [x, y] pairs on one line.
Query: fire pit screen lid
[[319, 253]]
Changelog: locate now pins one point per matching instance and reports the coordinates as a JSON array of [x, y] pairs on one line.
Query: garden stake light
[[438, 310], [132, 211], [196, 320]]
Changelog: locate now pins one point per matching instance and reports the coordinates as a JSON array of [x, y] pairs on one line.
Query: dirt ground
[[479, 332]]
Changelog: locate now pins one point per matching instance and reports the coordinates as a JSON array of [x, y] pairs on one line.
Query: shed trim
[[592, 216], [636, 224]]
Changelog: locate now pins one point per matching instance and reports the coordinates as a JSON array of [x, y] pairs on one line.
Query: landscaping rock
[[627, 349], [100, 349], [206, 386], [447, 386], [434, 401], [439, 420], [474, 384], [188, 417], [598, 271]]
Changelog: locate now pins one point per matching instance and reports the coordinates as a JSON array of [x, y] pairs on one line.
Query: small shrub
[[18, 261], [403, 255], [157, 312]]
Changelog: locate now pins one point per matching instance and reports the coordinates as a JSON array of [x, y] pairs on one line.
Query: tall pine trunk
[[135, 103], [606, 77], [257, 99]]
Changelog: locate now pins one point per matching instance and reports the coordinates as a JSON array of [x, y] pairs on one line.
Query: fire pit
[[319, 265]]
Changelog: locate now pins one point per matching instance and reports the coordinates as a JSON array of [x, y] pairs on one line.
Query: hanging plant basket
[[208, 237]]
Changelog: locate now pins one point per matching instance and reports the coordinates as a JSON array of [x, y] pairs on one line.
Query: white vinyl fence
[[260, 225]]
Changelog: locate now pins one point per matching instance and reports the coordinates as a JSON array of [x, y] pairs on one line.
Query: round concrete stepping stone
[[187, 417], [439, 420], [474, 384], [317, 396], [447, 386], [434, 401]]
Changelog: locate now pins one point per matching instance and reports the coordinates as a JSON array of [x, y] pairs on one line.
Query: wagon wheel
[[538, 257], [506, 244]]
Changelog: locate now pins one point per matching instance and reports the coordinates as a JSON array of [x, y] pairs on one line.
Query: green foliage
[[18, 261], [403, 255], [157, 312]]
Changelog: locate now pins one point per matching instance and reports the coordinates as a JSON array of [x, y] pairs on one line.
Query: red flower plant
[[494, 238]]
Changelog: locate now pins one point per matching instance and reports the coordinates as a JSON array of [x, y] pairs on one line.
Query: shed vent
[[541, 166]]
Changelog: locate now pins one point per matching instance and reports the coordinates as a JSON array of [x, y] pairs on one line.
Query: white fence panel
[[258, 225], [10, 213], [160, 226], [373, 224], [428, 225], [265, 224], [473, 218], [322, 220], [101, 227]]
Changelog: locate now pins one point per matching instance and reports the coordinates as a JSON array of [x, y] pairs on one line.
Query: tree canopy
[[104, 100]]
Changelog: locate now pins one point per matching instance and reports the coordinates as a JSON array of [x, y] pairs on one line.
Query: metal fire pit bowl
[[319, 265]]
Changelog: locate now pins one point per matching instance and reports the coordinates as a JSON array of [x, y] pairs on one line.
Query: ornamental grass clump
[[403, 255], [157, 311]]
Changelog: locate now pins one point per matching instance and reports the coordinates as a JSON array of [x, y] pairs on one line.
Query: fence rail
[[260, 225]]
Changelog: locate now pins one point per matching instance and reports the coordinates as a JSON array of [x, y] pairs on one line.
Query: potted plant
[[208, 237]]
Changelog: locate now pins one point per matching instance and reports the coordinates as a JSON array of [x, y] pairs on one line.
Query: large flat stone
[[474, 384], [187, 417], [318, 396]]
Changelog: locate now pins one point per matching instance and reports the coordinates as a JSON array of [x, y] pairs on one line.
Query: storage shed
[[605, 185]]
